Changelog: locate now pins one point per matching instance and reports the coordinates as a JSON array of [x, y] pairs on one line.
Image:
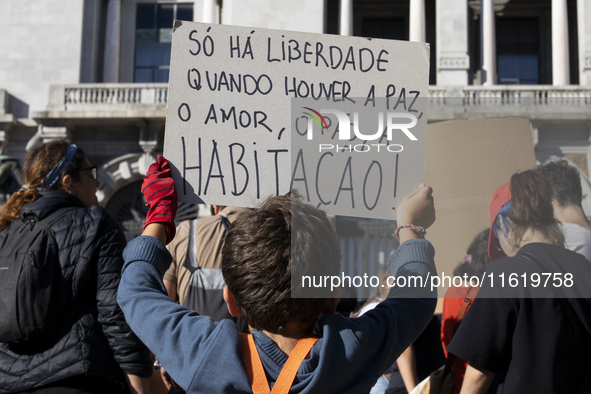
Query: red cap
[[501, 197]]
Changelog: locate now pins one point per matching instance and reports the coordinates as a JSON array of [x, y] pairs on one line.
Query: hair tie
[[467, 258], [25, 187], [56, 173]]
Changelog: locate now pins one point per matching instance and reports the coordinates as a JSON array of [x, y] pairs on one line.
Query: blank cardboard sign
[[466, 161]]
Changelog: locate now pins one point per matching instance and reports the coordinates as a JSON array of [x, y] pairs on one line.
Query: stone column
[[112, 42], [417, 21], [149, 135], [584, 27], [6, 120], [52, 131], [2, 140], [451, 38], [346, 18], [209, 11], [535, 129], [488, 43], [588, 157], [560, 61]]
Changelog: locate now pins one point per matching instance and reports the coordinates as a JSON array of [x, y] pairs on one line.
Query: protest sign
[[236, 134], [467, 160]]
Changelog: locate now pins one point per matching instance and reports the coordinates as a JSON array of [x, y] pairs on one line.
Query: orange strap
[[256, 372]]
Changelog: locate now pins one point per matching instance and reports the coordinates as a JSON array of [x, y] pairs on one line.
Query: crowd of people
[[211, 303]]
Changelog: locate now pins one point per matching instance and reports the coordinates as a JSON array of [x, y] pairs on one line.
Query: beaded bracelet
[[415, 229]]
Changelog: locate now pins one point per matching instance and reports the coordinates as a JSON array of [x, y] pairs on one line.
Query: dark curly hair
[[266, 248], [479, 259], [565, 180]]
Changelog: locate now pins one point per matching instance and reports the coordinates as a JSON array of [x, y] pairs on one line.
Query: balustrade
[[472, 98]]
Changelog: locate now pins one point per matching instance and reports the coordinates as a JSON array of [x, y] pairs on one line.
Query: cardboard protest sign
[[237, 133], [467, 160]]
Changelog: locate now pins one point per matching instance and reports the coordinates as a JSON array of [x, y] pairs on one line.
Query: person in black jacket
[[94, 351]]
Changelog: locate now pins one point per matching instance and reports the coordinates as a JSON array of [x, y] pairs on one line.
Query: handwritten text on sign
[[240, 125]]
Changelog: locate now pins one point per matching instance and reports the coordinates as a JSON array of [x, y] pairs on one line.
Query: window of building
[[396, 28], [518, 51], [389, 28], [153, 39]]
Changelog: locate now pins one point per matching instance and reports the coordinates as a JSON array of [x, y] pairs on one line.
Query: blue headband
[[56, 173], [503, 214]]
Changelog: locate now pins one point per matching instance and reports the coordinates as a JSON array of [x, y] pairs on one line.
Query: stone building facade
[[95, 71]]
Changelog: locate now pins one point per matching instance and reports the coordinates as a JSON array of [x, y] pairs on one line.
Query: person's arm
[[170, 289], [477, 380], [178, 337], [417, 209], [128, 351], [150, 313], [493, 320], [415, 254], [137, 384], [156, 230], [170, 276], [408, 368], [166, 379], [448, 320], [386, 331]]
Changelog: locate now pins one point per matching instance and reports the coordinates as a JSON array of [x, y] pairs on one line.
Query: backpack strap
[[256, 372], [226, 222], [57, 215], [191, 262], [51, 218], [466, 302]]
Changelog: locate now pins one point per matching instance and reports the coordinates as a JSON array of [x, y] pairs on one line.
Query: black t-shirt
[[528, 342], [429, 357]]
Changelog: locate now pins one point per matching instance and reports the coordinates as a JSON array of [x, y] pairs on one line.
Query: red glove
[[158, 189]]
